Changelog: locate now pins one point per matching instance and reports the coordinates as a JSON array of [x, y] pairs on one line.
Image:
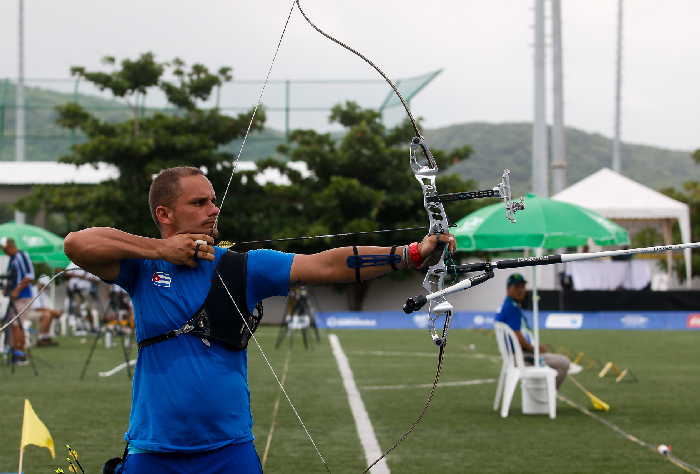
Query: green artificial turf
[[461, 432]]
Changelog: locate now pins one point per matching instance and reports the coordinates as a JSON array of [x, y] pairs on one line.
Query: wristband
[[414, 255], [391, 257]]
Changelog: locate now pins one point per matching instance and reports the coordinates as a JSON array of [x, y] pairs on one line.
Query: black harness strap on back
[[218, 319]]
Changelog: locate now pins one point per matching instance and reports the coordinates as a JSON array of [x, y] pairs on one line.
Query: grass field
[[460, 434]]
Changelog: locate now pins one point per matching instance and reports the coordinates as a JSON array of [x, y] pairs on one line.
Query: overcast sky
[[484, 47]]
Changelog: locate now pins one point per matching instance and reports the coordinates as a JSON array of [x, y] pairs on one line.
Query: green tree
[[689, 194], [186, 134], [361, 182]]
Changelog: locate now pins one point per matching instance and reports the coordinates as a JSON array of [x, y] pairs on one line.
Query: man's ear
[[164, 215]]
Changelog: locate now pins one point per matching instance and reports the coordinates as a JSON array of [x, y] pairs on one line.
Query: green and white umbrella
[[544, 223], [41, 245]]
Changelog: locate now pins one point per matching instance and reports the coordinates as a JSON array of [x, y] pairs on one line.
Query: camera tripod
[[300, 315], [117, 324]]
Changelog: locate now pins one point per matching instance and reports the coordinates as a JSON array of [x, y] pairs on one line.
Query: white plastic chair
[[514, 369]]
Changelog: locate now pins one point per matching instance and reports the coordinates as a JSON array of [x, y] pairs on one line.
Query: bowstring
[[426, 405], [235, 163], [255, 111], [438, 371], [279, 382], [223, 199]]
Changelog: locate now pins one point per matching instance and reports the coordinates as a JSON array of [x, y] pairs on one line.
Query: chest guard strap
[[218, 319]]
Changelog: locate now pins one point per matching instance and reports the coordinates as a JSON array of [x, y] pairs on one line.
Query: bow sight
[[502, 190], [511, 206]]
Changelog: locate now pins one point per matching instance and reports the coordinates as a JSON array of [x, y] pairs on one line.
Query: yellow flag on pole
[[34, 431]]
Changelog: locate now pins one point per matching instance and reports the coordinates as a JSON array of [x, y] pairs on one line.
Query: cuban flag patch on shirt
[[161, 279]]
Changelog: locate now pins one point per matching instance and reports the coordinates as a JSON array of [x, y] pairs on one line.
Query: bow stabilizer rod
[[415, 303], [501, 191], [465, 195]]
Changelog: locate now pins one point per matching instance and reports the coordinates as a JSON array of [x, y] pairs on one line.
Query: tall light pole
[[540, 165], [616, 152], [19, 101], [559, 179]]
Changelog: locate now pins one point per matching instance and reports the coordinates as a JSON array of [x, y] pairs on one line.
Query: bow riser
[[425, 170]]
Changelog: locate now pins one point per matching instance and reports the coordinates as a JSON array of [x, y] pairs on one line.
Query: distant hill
[[508, 145], [496, 145], [44, 140]]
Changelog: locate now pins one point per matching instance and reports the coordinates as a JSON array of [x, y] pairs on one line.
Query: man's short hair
[[165, 187]]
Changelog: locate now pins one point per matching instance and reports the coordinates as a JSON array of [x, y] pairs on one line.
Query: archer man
[[195, 306]]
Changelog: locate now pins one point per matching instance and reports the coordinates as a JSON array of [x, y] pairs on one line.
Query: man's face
[[517, 291], [194, 210], [9, 249]]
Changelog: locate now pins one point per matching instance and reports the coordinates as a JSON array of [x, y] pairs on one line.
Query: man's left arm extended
[[331, 266]]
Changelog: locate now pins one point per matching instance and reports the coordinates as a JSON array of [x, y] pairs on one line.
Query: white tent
[[617, 197]]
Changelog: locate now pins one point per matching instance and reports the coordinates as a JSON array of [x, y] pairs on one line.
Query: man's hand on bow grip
[[432, 247], [180, 249]]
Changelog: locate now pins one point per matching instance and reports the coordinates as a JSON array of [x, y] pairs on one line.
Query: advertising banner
[[632, 320]]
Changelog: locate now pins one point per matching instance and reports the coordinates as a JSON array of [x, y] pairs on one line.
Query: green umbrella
[[41, 245], [545, 223]]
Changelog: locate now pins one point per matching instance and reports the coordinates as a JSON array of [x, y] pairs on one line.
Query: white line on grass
[[670, 457], [459, 383], [275, 409], [395, 354], [365, 430], [473, 355], [121, 366]]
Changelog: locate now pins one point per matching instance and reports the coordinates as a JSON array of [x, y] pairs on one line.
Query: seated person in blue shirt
[[190, 409], [512, 314]]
